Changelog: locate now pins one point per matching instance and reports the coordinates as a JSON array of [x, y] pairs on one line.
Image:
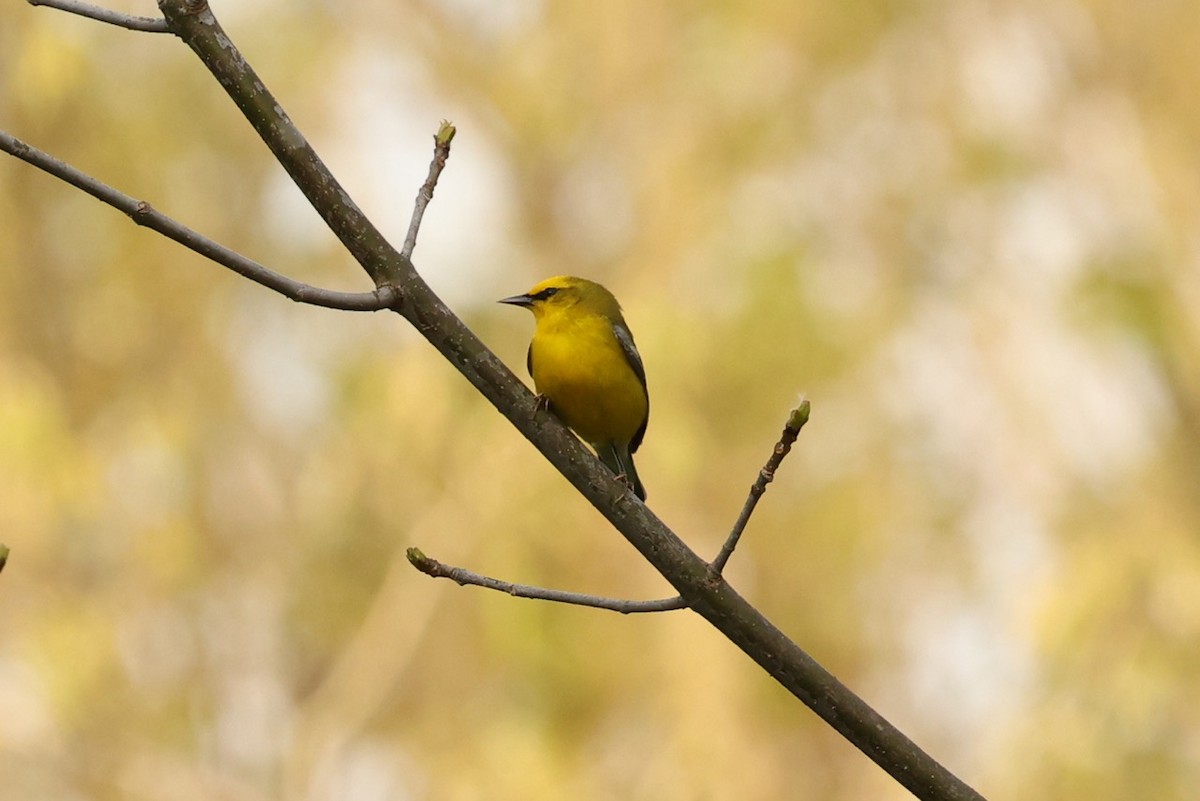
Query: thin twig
[[129, 21], [796, 421], [434, 568], [441, 152], [142, 214]]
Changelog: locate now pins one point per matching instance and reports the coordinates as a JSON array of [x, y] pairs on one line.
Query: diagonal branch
[[129, 21], [708, 594], [143, 214], [791, 430], [436, 569]]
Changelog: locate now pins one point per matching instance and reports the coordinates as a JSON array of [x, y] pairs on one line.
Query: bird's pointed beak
[[518, 300]]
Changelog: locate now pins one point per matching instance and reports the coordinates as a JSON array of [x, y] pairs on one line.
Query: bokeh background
[[967, 230]]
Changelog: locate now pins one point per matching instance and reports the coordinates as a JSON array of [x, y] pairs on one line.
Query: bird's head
[[565, 291]]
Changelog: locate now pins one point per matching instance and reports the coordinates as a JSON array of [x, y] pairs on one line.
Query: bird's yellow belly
[[591, 387]]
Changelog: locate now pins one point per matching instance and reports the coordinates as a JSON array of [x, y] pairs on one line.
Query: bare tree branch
[[128, 21], [707, 593], [791, 430], [441, 152], [434, 568], [143, 214]]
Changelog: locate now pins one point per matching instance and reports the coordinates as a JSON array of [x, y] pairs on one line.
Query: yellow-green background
[[967, 230]]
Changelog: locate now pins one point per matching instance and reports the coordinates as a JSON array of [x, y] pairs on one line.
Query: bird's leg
[[611, 458], [541, 403]]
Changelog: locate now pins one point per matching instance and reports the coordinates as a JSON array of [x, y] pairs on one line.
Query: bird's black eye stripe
[[545, 293]]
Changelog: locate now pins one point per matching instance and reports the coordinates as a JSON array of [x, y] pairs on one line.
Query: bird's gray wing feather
[[635, 362]]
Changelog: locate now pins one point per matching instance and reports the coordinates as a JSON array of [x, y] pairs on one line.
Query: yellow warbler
[[584, 363]]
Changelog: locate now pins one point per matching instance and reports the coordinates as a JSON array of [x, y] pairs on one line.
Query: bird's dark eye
[[548, 292]]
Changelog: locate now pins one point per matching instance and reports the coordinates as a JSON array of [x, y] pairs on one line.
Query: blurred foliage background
[[967, 230]]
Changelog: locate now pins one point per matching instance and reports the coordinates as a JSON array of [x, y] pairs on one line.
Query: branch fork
[[431, 567]]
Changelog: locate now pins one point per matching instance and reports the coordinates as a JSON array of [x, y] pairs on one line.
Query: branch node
[[389, 296]]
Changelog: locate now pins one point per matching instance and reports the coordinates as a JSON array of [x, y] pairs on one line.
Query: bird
[[586, 367]]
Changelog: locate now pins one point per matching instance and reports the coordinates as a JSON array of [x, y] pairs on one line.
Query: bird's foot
[[541, 403]]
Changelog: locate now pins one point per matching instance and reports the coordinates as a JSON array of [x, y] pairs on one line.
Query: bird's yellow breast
[[579, 365]]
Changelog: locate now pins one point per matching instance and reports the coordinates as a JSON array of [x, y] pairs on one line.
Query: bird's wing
[[635, 361], [631, 351], [529, 360]]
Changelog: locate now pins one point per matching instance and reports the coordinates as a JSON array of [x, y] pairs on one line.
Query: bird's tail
[[618, 459]]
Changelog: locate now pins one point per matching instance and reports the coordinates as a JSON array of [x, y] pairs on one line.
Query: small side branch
[[434, 568], [791, 430], [143, 214], [128, 21], [441, 152]]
